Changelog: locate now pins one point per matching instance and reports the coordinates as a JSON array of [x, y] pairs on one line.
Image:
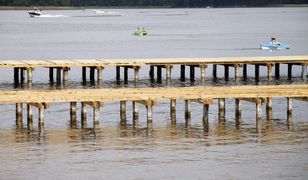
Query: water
[[278, 151]]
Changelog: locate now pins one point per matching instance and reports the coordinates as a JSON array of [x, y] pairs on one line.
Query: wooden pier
[[95, 98], [60, 68]]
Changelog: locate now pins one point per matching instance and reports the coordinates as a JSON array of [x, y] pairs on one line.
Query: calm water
[[227, 151]]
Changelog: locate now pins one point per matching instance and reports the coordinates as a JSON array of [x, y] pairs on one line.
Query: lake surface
[[276, 149]]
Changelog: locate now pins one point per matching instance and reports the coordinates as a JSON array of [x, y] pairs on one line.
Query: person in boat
[[144, 32], [274, 42]]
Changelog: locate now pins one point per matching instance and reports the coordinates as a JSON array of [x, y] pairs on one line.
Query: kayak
[[140, 33], [275, 46]]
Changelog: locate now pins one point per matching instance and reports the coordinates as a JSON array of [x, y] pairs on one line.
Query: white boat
[[35, 12]]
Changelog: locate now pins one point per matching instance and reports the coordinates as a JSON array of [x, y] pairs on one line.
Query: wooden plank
[[144, 94]]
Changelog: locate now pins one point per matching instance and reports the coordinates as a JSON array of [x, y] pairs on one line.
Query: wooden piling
[[192, 73], [226, 72], [187, 111], [269, 109], [84, 114], [182, 72], [245, 71], [118, 73], [41, 119], [59, 75], [135, 113], [29, 75], [238, 110], [221, 109], [16, 76], [73, 113], [125, 74], [257, 71], [269, 71], [99, 73], [136, 74], [289, 109], [22, 75], [84, 74], [123, 112], [290, 71], [29, 114], [96, 109], [304, 72], [236, 72], [173, 110], [149, 107], [151, 73], [277, 70], [214, 70], [19, 108], [258, 109], [168, 73], [92, 75], [206, 117], [159, 73], [65, 74], [202, 72]]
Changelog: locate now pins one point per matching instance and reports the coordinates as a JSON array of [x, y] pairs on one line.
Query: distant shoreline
[[132, 7]]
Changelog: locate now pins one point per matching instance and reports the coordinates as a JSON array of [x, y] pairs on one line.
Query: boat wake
[[51, 16]]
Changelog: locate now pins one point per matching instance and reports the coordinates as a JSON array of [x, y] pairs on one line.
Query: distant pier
[[93, 69]]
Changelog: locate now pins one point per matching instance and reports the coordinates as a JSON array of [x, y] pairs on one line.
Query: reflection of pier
[[148, 97], [62, 67]]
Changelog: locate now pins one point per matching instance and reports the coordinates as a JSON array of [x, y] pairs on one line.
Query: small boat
[[35, 12], [274, 46], [141, 33]]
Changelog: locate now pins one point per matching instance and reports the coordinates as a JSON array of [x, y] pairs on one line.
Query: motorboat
[[35, 12], [274, 46]]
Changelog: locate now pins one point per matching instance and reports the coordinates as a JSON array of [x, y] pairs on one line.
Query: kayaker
[[273, 40]]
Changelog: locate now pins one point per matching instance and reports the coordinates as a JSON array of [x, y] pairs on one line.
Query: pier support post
[[159, 73], [22, 75], [151, 73], [84, 114], [118, 73], [236, 72], [269, 109], [99, 73], [168, 73], [214, 70], [125, 74], [206, 117], [304, 72], [192, 73], [135, 113], [277, 70], [187, 111], [257, 71], [84, 75], [226, 72], [269, 71], [289, 109], [221, 109], [182, 72], [29, 75], [290, 71], [259, 109], [202, 73], [136, 74], [92, 75], [96, 108], [123, 112], [73, 114], [59, 75], [29, 115], [41, 110], [16, 76], [149, 114], [238, 111], [65, 75], [173, 110], [19, 108], [245, 71]]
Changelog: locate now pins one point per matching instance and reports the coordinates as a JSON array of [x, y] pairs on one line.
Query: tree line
[[168, 3]]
